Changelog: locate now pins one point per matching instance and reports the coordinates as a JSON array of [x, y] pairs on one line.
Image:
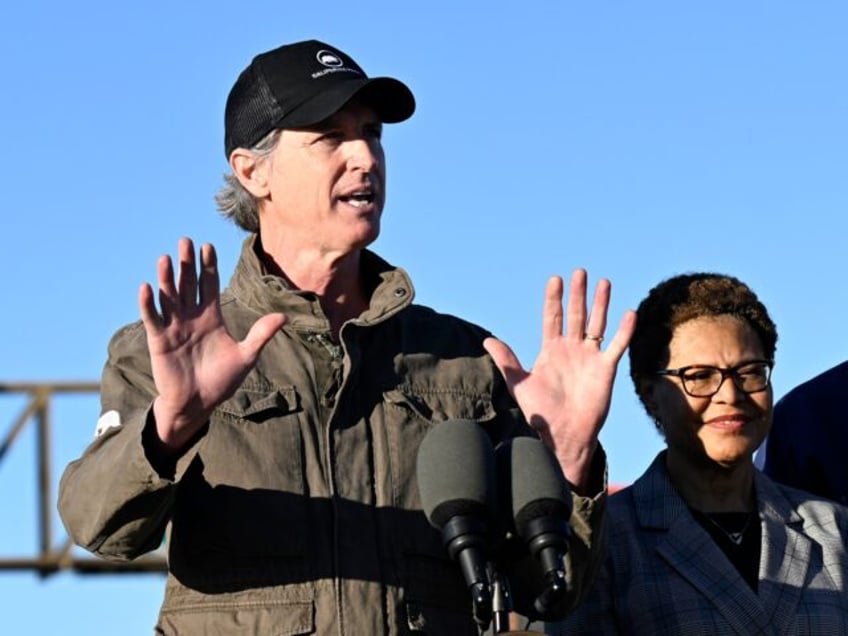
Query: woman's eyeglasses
[[704, 381]]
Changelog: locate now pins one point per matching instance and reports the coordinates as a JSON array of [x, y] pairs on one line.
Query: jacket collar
[[253, 285]]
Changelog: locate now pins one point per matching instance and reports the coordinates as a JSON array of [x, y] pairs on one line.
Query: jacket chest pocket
[[258, 432], [244, 494], [409, 416], [433, 586]]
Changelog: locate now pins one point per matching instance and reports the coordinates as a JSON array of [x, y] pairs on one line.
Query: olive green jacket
[[296, 511]]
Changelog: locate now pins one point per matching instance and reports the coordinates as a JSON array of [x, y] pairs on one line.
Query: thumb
[[260, 334], [506, 361]]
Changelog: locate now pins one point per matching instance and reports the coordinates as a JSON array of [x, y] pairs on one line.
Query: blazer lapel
[[785, 563], [690, 550]]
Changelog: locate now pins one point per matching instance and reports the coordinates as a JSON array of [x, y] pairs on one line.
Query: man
[[274, 428], [807, 442]]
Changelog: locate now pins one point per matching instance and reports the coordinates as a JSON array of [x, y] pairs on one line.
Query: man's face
[[327, 183]]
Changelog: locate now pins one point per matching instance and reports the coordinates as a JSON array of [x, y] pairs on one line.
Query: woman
[[702, 542]]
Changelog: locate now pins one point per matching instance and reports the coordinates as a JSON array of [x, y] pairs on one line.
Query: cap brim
[[391, 99]]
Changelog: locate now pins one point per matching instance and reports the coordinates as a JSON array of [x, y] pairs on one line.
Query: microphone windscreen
[[455, 472], [536, 486]]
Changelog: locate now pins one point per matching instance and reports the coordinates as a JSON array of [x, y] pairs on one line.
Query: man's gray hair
[[233, 200]]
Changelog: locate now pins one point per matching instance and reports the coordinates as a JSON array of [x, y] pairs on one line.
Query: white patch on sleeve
[[110, 419]]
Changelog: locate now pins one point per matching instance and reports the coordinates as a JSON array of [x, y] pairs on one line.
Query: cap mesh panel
[[251, 114]]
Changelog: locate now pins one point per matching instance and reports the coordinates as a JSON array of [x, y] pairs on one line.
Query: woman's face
[[729, 426]]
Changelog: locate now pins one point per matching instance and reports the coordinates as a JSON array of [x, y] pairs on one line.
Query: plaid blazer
[[664, 574]]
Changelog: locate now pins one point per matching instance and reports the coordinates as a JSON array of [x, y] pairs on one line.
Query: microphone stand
[[501, 602]]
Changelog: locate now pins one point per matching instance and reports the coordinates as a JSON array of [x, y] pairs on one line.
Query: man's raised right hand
[[196, 362]]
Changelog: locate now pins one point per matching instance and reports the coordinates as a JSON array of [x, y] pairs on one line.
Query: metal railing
[[53, 555]]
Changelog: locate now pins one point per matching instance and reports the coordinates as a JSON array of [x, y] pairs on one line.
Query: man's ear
[[251, 171]]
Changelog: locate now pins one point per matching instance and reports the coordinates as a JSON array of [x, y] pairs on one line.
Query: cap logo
[[333, 63], [328, 58]]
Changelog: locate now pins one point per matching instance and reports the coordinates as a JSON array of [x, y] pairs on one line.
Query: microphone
[[456, 482], [539, 498]]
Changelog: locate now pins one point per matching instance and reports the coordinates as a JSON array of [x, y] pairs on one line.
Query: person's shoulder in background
[[808, 435], [827, 386]]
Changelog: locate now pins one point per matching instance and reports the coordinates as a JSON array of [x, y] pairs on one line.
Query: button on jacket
[[296, 511]]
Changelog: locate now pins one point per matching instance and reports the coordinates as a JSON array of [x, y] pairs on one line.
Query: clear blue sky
[[636, 139]]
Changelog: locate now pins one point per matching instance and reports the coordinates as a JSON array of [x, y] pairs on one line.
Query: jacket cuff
[[598, 477], [168, 467]]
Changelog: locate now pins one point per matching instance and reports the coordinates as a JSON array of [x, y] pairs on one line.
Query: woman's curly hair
[[680, 299]]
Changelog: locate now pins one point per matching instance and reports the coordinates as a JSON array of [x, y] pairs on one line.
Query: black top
[[738, 535]]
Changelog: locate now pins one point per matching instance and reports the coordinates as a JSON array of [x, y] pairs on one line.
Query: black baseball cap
[[301, 84]]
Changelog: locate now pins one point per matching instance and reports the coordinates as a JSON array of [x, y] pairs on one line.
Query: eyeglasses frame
[[728, 372]]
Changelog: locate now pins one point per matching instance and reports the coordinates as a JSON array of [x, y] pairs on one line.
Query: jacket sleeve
[[592, 609], [112, 500], [595, 616], [588, 545]]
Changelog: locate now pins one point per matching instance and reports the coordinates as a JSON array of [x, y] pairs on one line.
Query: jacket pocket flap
[[283, 619], [249, 402], [438, 406]]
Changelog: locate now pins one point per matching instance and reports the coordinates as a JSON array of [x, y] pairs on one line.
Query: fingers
[[576, 307], [260, 334], [552, 310], [506, 361], [621, 339], [209, 280], [586, 326], [168, 301], [147, 307], [187, 283], [188, 294], [597, 322]]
